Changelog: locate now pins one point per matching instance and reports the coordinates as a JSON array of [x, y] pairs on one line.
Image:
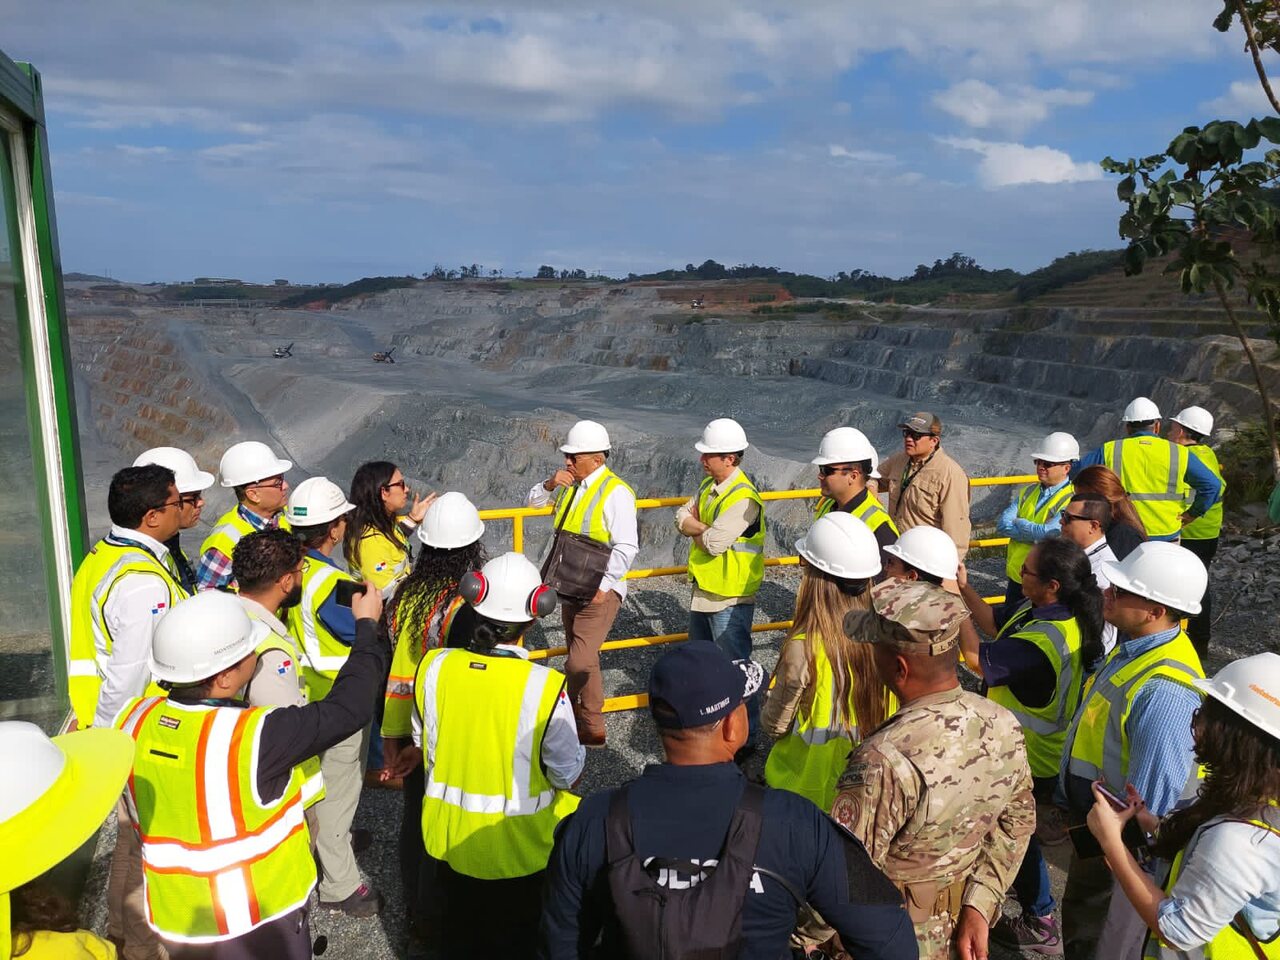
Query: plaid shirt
[[214, 571]]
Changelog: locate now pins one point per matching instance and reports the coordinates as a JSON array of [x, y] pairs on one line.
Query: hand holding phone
[[1115, 801], [345, 591]]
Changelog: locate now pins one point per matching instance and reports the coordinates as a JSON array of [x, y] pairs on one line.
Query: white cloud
[[1009, 164], [981, 105], [838, 152], [1243, 100]]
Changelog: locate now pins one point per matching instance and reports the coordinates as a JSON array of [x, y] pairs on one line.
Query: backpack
[[700, 922]]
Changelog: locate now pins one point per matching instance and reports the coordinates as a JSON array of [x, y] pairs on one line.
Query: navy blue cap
[[697, 684]]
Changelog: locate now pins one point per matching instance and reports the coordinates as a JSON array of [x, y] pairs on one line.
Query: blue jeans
[[730, 630], [1031, 885]]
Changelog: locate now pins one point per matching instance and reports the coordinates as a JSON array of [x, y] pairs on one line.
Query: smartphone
[[1111, 797], [345, 590]]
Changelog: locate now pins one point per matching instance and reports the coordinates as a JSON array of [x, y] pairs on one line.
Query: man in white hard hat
[[1034, 513], [256, 475], [1133, 725], [725, 524], [1085, 522], [1157, 474], [324, 628], [925, 486], [846, 462], [216, 787], [1191, 428], [191, 482], [593, 502]]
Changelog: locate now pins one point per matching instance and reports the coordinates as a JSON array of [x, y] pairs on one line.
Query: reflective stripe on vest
[[1098, 740], [218, 861], [1209, 525], [489, 810], [1151, 469], [324, 653], [91, 641], [739, 571], [230, 528], [586, 514], [1027, 510], [1045, 728], [397, 708], [312, 779], [869, 512]]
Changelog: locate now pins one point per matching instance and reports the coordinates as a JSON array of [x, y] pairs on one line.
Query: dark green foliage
[[1072, 268], [358, 288]]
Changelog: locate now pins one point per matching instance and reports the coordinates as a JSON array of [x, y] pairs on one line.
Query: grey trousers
[[342, 766], [126, 901]]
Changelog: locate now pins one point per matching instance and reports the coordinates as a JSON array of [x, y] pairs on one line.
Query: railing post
[[517, 534]]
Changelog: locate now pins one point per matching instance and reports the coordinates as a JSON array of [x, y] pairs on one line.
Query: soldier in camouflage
[[940, 794]]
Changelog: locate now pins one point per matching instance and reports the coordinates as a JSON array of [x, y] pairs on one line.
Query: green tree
[[546, 273]]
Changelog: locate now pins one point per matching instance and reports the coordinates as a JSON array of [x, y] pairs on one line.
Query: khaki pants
[[343, 768], [126, 902], [585, 627]]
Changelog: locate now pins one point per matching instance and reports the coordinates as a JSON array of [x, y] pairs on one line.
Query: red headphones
[[474, 587]]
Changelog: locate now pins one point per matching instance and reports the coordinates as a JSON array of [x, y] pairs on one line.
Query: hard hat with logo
[[1251, 687], [188, 477], [1161, 572], [508, 589], [1058, 448], [316, 500], [1196, 419], [1140, 410], [927, 549], [452, 521], [846, 445], [722, 436], [841, 545], [202, 636], [249, 462], [586, 436]]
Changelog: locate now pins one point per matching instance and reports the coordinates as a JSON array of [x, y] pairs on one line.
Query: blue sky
[[324, 141]]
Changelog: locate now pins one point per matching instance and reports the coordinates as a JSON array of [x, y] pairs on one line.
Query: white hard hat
[[316, 500], [1058, 448], [202, 636], [188, 477], [1140, 410], [846, 445], [509, 589], [586, 436], [927, 549], [842, 545], [249, 462], [451, 521], [1251, 687], [1196, 419], [1162, 572], [722, 436]]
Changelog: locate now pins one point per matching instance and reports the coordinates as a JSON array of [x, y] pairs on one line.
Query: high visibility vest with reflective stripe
[[1027, 510], [1151, 469], [1230, 943], [489, 810], [229, 529], [1045, 728], [586, 515], [397, 707], [324, 654], [1099, 742], [91, 640], [312, 780], [1209, 524], [869, 512], [218, 860], [739, 571]]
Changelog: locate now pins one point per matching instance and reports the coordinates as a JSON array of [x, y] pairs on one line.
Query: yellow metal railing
[[518, 515]]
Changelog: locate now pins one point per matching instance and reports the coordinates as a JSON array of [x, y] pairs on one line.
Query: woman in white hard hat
[[56, 794], [826, 691], [426, 612], [1221, 895], [376, 543], [1190, 428]]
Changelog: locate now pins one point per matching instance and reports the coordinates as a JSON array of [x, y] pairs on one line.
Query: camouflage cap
[[923, 422], [911, 615]]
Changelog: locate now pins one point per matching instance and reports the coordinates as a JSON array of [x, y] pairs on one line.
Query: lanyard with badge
[[908, 476]]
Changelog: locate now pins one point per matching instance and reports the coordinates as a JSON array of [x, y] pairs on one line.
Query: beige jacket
[[937, 495], [789, 689]]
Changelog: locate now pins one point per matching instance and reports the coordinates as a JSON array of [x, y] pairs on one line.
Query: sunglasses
[[398, 483], [1049, 463], [914, 434], [190, 499], [827, 470]]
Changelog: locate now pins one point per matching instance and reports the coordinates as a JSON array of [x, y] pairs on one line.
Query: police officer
[[1036, 510], [256, 475], [941, 794], [1157, 474], [846, 461], [1190, 428], [191, 482]]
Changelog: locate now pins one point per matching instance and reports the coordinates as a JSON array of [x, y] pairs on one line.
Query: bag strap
[[618, 840], [1243, 928]]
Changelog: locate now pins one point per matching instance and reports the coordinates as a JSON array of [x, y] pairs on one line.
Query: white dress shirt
[[1099, 554]]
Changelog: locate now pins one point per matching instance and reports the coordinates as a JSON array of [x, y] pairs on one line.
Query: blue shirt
[[338, 619], [1161, 756], [1028, 531], [1200, 478]]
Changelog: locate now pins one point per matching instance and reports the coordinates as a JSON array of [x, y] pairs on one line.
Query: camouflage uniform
[[940, 794]]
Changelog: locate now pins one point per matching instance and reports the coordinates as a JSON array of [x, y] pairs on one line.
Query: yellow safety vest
[[489, 810], [586, 515], [1027, 510], [1230, 943], [1045, 728], [1099, 748], [1151, 469], [739, 571], [397, 708], [1208, 526], [323, 653], [869, 512], [217, 860], [312, 779], [91, 640], [229, 529]]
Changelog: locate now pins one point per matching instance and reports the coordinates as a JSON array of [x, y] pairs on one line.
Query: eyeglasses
[[1028, 572], [398, 483], [827, 470], [1049, 463], [190, 499], [1118, 592], [914, 434], [277, 482], [166, 505], [1075, 518]]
